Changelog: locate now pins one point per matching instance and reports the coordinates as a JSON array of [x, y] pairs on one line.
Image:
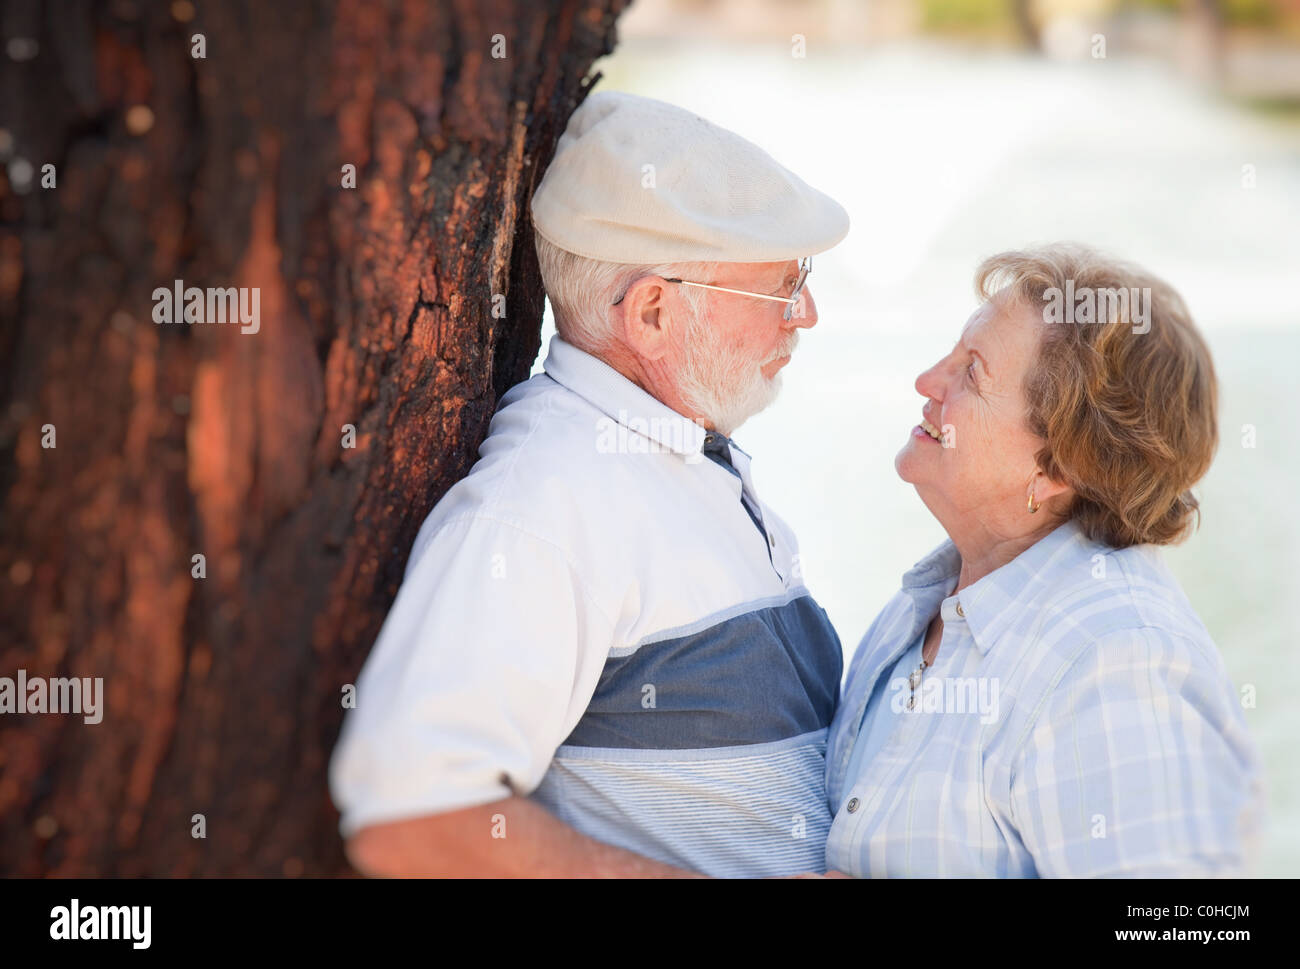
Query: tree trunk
[[224, 677]]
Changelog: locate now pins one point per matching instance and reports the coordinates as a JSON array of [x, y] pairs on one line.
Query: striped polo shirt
[[605, 616]]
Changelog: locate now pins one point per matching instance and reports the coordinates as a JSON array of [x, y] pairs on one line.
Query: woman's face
[[983, 464]]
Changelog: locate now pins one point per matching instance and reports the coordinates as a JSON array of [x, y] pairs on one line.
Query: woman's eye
[[970, 372]]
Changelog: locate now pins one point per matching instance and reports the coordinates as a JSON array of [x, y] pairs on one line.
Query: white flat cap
[[711, 196]]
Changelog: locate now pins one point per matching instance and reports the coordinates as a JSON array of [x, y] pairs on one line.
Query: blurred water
[[943, 156]]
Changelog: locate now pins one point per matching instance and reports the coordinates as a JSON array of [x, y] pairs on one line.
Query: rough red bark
[[222, 694]]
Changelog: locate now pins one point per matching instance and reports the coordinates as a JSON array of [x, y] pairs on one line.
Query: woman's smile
[[927, 430]]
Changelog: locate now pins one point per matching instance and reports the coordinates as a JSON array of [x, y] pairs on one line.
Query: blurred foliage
[[1252, 13], [987, 15], [965, 14], [1236, 13]]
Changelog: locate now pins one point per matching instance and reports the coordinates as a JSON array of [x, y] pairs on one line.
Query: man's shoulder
[[545, 467]]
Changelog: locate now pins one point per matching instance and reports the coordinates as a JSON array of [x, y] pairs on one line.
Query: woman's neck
[[985, 553]]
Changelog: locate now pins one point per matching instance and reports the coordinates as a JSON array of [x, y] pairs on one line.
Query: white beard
[[721, 384]]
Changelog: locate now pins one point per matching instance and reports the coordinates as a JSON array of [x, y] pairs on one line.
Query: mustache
[[786, 349]]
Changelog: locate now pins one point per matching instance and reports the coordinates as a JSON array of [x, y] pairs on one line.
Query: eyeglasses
[[805, 267]]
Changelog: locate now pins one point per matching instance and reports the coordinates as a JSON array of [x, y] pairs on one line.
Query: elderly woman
[[1040, 699]]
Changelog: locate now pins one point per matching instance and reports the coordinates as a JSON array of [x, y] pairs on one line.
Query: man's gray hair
[[583, 291]]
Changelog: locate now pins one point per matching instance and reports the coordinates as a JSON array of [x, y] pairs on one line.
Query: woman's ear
[[1043, 489], [646, 317]]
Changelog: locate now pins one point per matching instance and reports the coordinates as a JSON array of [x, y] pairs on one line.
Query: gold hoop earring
[[1032, 507]]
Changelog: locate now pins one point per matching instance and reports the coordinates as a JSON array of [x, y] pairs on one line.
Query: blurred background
[[1164, 132]]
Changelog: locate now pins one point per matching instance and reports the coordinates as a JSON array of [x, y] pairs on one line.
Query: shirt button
[[771, 540], [960, 611], [853, 804]]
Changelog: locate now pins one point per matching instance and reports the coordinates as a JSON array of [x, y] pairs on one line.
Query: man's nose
[[805, 311]]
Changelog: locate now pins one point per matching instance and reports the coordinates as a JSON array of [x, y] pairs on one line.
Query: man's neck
[[652, 377]]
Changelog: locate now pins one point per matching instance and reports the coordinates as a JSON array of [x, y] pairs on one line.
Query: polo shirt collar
[[623, 401], [990, 605]]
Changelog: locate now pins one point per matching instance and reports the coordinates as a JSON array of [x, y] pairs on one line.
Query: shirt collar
[[929, 583], [990, 605], [623, 401]]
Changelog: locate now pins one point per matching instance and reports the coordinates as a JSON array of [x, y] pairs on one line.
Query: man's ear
[[646, 318]]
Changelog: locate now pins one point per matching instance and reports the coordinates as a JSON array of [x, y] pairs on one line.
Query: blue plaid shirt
[[1078, 722]]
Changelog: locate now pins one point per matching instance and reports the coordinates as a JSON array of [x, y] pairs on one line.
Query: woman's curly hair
[[1126, 401]]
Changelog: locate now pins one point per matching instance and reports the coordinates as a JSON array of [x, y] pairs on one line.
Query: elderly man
[[603, 659]]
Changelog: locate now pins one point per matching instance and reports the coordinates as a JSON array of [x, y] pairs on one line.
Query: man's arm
[[490, 653], [511, 838]]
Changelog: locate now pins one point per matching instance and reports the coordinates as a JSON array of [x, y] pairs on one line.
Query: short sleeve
[[488, 657], [1139, 764]]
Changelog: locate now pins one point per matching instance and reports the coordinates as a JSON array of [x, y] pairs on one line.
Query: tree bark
[[223, 694]]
